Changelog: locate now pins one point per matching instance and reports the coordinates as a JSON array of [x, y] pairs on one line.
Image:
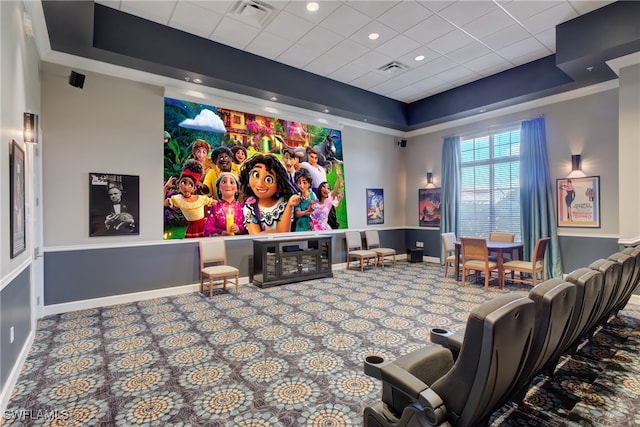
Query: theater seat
[[428, 387], [627, 275], [611, 290]]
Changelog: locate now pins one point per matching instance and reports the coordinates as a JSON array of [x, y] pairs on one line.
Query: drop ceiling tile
[[369, 80], [345, 21], [410, 57], [429, 29], [404, 15], [362, 35], [527, 48], [500, 39], [437, 5], [463, 12], [289, 26], [323, 65], [349, 72], [458, 74], [469, 52], [488, 64], [221, 7], [347, 50], [192, 18], [586, 6], [451, 42], [372, 60], [487, 24], [372, 8], [549, 18], [154, 10], [268, 45], [320, 39], [299, 8], [406, 94], [522, 10], [234, 33], [397, 46], [431, 84], [438, 65], [298, 56]]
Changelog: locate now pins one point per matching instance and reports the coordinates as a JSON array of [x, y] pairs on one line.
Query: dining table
[[499, 248]]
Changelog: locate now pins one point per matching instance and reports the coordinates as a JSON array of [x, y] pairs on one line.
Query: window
[[490, 173]]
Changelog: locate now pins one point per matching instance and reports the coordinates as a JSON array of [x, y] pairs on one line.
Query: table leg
[[457, 263], [500, 271]]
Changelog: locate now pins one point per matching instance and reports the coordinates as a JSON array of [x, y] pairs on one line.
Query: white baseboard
[[12, 378]]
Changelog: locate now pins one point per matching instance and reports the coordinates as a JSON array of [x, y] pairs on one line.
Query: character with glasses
[[222, 158]]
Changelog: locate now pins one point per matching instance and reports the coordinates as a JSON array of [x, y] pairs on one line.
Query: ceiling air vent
[[393, 67], [253, 11]]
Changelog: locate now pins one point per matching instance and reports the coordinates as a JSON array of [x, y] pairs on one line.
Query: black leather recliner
[[430, 387], [633, 252], [611, 290]]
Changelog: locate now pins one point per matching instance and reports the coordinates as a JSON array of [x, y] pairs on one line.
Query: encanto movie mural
[[228, 172]]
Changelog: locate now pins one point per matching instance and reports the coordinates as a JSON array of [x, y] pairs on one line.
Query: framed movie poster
[[429, 207], [578, 202], [114, 204], [17, 193], [375, 206]]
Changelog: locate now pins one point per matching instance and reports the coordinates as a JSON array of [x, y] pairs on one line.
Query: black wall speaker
[[76, 79], [402, 143]]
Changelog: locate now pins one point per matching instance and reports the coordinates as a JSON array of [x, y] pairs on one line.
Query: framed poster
[[375, 206], [17, 188], [114, 203], [429, 207], [578, 202]]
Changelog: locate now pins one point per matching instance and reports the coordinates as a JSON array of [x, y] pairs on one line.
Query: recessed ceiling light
[[198, 81], [373, 36], [186, 79], [482, 110], [326, 110], [312, 6], [419, 58], [273, 98]]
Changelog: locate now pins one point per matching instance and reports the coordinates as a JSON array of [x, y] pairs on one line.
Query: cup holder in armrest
[[440, 336], [372, 366]]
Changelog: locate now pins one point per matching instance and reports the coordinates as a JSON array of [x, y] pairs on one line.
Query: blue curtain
[[536, 195], [450, 188]]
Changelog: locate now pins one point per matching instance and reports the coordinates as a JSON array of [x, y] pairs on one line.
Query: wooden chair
[[373, 244], [354, 250], [214, 251], [495, 236], [533, 267], [475, 256], [449, 248]]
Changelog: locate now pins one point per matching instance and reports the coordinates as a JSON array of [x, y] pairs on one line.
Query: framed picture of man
[[578, 202], [18, 228], [429, 207], [114, 204], [375, 206]]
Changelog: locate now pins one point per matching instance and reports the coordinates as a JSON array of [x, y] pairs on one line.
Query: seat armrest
[[434, 408], [447, 339], [416, 371]]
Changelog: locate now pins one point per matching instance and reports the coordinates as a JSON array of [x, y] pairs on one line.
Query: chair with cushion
[[533, 267], [213, 251], [354, 250], [475, 256], [430, 387], [627, 276], [633, 252], [449, 249], [373, 244], [611, 273]]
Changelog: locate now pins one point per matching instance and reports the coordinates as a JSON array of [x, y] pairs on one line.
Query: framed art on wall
[[429, 207], [375, 206], [17, 188], [578, 202], [114, 203]]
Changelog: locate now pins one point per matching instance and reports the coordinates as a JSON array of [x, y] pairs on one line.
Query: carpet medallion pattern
[[289, 356]]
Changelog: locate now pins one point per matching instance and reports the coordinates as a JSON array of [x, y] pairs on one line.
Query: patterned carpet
[[289, 356]]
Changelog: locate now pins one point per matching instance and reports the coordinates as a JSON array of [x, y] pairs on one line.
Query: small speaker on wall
[[76, 79], [402, 143]]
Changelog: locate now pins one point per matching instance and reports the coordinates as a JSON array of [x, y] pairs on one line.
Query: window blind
[[490, 175]]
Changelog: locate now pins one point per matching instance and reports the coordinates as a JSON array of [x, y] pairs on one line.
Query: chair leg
[[486, 279], [446, 268], [210, 287], [236, 283], [201, 283]]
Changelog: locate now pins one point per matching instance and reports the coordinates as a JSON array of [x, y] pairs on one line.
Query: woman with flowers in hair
[[269, 196], [200, 150], [188, 201]]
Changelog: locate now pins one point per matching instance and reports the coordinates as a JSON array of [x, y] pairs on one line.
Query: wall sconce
[[30, 128], [576, 162], [430, 180]]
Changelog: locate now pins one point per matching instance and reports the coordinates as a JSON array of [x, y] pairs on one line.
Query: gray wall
[[14, 312]]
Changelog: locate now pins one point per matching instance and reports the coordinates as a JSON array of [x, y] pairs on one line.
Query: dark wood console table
[[280, 261]]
